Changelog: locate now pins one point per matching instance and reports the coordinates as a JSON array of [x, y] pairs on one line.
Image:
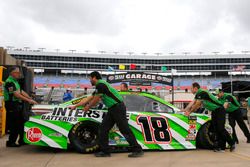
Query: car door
[[155, 124]]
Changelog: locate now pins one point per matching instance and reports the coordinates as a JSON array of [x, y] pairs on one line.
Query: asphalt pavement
[[36, 156]]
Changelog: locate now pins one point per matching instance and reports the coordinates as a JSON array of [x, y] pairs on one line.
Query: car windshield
[[145, 104]]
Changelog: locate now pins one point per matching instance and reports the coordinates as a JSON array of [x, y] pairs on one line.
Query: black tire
[[84, 136], [206, 136]]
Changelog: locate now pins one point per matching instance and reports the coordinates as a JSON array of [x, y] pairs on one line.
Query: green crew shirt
[[233, 103], [10, 86], [109, 95], [209, 101]]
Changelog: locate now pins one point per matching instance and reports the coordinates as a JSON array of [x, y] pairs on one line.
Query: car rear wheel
[[84, 136], [206, 136]]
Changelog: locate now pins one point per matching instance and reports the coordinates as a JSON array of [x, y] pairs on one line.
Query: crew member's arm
[[25, 94], [100, 90], [197, 102], [188, 106], [228, 101], [93, 102], [82, 102], [196, 105], [11, 88], [19, 95]]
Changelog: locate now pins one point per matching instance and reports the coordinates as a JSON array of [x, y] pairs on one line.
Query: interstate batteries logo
[[67, 115], [34, 135]]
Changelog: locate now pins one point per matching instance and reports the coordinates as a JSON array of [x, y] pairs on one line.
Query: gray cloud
[[206, 17], [241, 12], [107, 21], [72, 16]]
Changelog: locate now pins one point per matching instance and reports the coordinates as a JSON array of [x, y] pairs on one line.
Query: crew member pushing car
[[116, 115], [212, 104]]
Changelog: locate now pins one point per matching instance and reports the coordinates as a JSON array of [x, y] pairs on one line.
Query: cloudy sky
[[127, 25]]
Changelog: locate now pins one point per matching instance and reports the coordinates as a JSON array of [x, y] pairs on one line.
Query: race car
[[156, 124]]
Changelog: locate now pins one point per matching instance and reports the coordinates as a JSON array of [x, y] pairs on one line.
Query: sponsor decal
[[121, 141], [77, 100], [192, 128], [34, 134], [56, 134], [67, 115]]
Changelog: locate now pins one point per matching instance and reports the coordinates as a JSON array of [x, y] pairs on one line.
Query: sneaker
[[219, 150], [136, 154], [102, 154], [12, 144], [232, 148]]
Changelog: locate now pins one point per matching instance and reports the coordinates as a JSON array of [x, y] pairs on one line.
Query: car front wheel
[[206, 136], [84, 136]]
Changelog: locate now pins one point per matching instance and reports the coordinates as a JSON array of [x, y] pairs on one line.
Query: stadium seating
[[82, 82]]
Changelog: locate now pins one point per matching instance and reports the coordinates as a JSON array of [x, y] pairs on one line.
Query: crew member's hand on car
[[32, 101], [72, 107], [187, 113], [86, 108]]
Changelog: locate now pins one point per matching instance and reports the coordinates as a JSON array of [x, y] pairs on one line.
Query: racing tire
[[84, 136], [206, 136]]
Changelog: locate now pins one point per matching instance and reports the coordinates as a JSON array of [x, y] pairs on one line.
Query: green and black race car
[[156, 124]]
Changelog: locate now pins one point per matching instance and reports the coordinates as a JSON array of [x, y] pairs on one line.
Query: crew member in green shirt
[[13, 97], [211, 103], [116, 115], [232, 107]]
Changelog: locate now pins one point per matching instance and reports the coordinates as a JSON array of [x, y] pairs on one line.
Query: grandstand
[[69, 70], [58, 63], [82, 82]]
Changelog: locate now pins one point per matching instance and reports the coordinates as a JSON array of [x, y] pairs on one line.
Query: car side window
[[159, 107], [134, 102], [145, 104]]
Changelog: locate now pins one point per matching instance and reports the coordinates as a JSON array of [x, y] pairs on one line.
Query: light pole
[[215, 53], [10, 47], [26, 48], [102, 51], [172, 76], [144, 53], [158, 54], [72, 50], [115, 53], [186, 53], [87, 51], [57, 51], [130, 53], [200, 53], [231, 70], [41, 49]]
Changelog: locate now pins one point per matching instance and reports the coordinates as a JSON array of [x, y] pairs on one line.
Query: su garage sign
[[139, 78]]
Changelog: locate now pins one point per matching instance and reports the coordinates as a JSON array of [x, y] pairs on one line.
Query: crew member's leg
[[119, 115], [222, 132], [232, 123], [13, 127], [105, 126], [239, 119]]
